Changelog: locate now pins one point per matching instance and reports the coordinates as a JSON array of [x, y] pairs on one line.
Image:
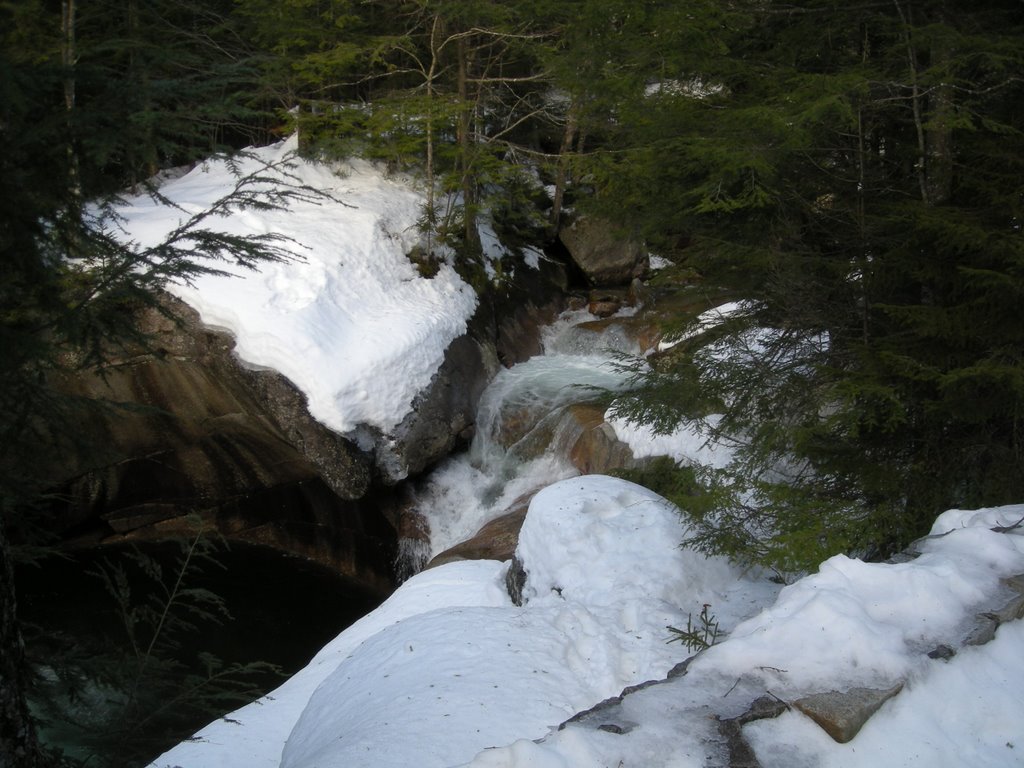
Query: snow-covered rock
[[448, 666]]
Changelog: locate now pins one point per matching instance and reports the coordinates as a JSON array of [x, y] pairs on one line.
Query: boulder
[[602, 253], [495, 540], [443, 414], [603, 304], [841, 714], [180, 428], [505, 329], [595, 449]]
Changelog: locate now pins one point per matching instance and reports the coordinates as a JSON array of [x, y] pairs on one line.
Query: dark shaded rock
[[505, 329], [841, 714], [602, 253], [1008, 609], [181, 428], [638, 294], [763, 708], [515, 580], [740, 753], [443, 414], [513, 314], [983, 630], [603, 305], [942, 651]]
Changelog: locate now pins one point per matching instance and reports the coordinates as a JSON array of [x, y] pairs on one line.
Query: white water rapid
[[516, 449]]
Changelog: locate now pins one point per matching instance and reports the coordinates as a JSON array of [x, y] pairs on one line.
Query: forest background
[[851, 173]]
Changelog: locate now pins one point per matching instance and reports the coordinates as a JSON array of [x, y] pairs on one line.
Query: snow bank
[[352, 324], [689, 444], [448, 666], [850, 624]]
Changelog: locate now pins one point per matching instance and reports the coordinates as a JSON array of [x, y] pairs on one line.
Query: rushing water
[[517, 448]]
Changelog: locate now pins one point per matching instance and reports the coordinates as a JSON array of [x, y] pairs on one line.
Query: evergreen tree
[[857, 177], [69, 287]]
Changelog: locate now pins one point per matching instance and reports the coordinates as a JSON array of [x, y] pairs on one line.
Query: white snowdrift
[[352, 324], [850, 624], [449, 666], [448, 670]]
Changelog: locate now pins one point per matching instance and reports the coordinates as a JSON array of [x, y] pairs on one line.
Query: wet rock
[[515, 580], [496, 540], [603, 304], [602, 253], [1007, 609], [841, 714], [741, 755], [941, 651], [596, 449], [443, 414], [505, 329]]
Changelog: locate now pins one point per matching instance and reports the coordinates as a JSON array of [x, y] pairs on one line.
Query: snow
[[351, 324], [689, 444], [448, 666], [850, 624], [449, 672]]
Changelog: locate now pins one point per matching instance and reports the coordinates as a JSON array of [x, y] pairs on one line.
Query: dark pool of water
[[283, 610]]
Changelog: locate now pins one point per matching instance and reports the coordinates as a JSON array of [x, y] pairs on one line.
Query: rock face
[[443, 415], [603, 255], [495, 540], [504, 330], [596, 449], [183, 429]]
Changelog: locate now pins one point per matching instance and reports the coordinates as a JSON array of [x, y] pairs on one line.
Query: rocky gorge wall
[[182, 429]]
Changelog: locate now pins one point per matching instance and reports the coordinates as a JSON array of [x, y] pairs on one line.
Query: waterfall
[[517, 428]]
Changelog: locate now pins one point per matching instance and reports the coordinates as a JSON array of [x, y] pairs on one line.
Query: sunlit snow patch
[[351, 323]]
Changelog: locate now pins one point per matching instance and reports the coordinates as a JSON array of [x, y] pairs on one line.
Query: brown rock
[[596, 449], [602, 253], [842, 714], [603, 305], [181, 429], [496, 540]]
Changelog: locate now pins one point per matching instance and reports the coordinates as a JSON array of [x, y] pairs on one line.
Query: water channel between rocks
[[523, 432], [285, 609]]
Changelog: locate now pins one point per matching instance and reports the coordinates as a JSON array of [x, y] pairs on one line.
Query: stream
[[522, 434], [284, 609]]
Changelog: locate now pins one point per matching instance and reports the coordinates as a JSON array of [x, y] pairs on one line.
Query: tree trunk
[[431, 74], [19, 747], [465, 140], [69, 58], [563, 166], [939, 136]]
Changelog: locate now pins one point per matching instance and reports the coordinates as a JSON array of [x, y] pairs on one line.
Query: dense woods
[[853, 173]]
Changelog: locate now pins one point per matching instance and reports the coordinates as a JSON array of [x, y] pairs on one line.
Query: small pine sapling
[[697, 636]]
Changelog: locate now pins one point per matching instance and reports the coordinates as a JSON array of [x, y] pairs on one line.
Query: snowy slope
[[448, 671], [352, 323], [851, 624], [448, 666]]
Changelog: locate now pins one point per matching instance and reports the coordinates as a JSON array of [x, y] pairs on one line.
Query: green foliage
[[857, 179], [699, 636], [69, 286]]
